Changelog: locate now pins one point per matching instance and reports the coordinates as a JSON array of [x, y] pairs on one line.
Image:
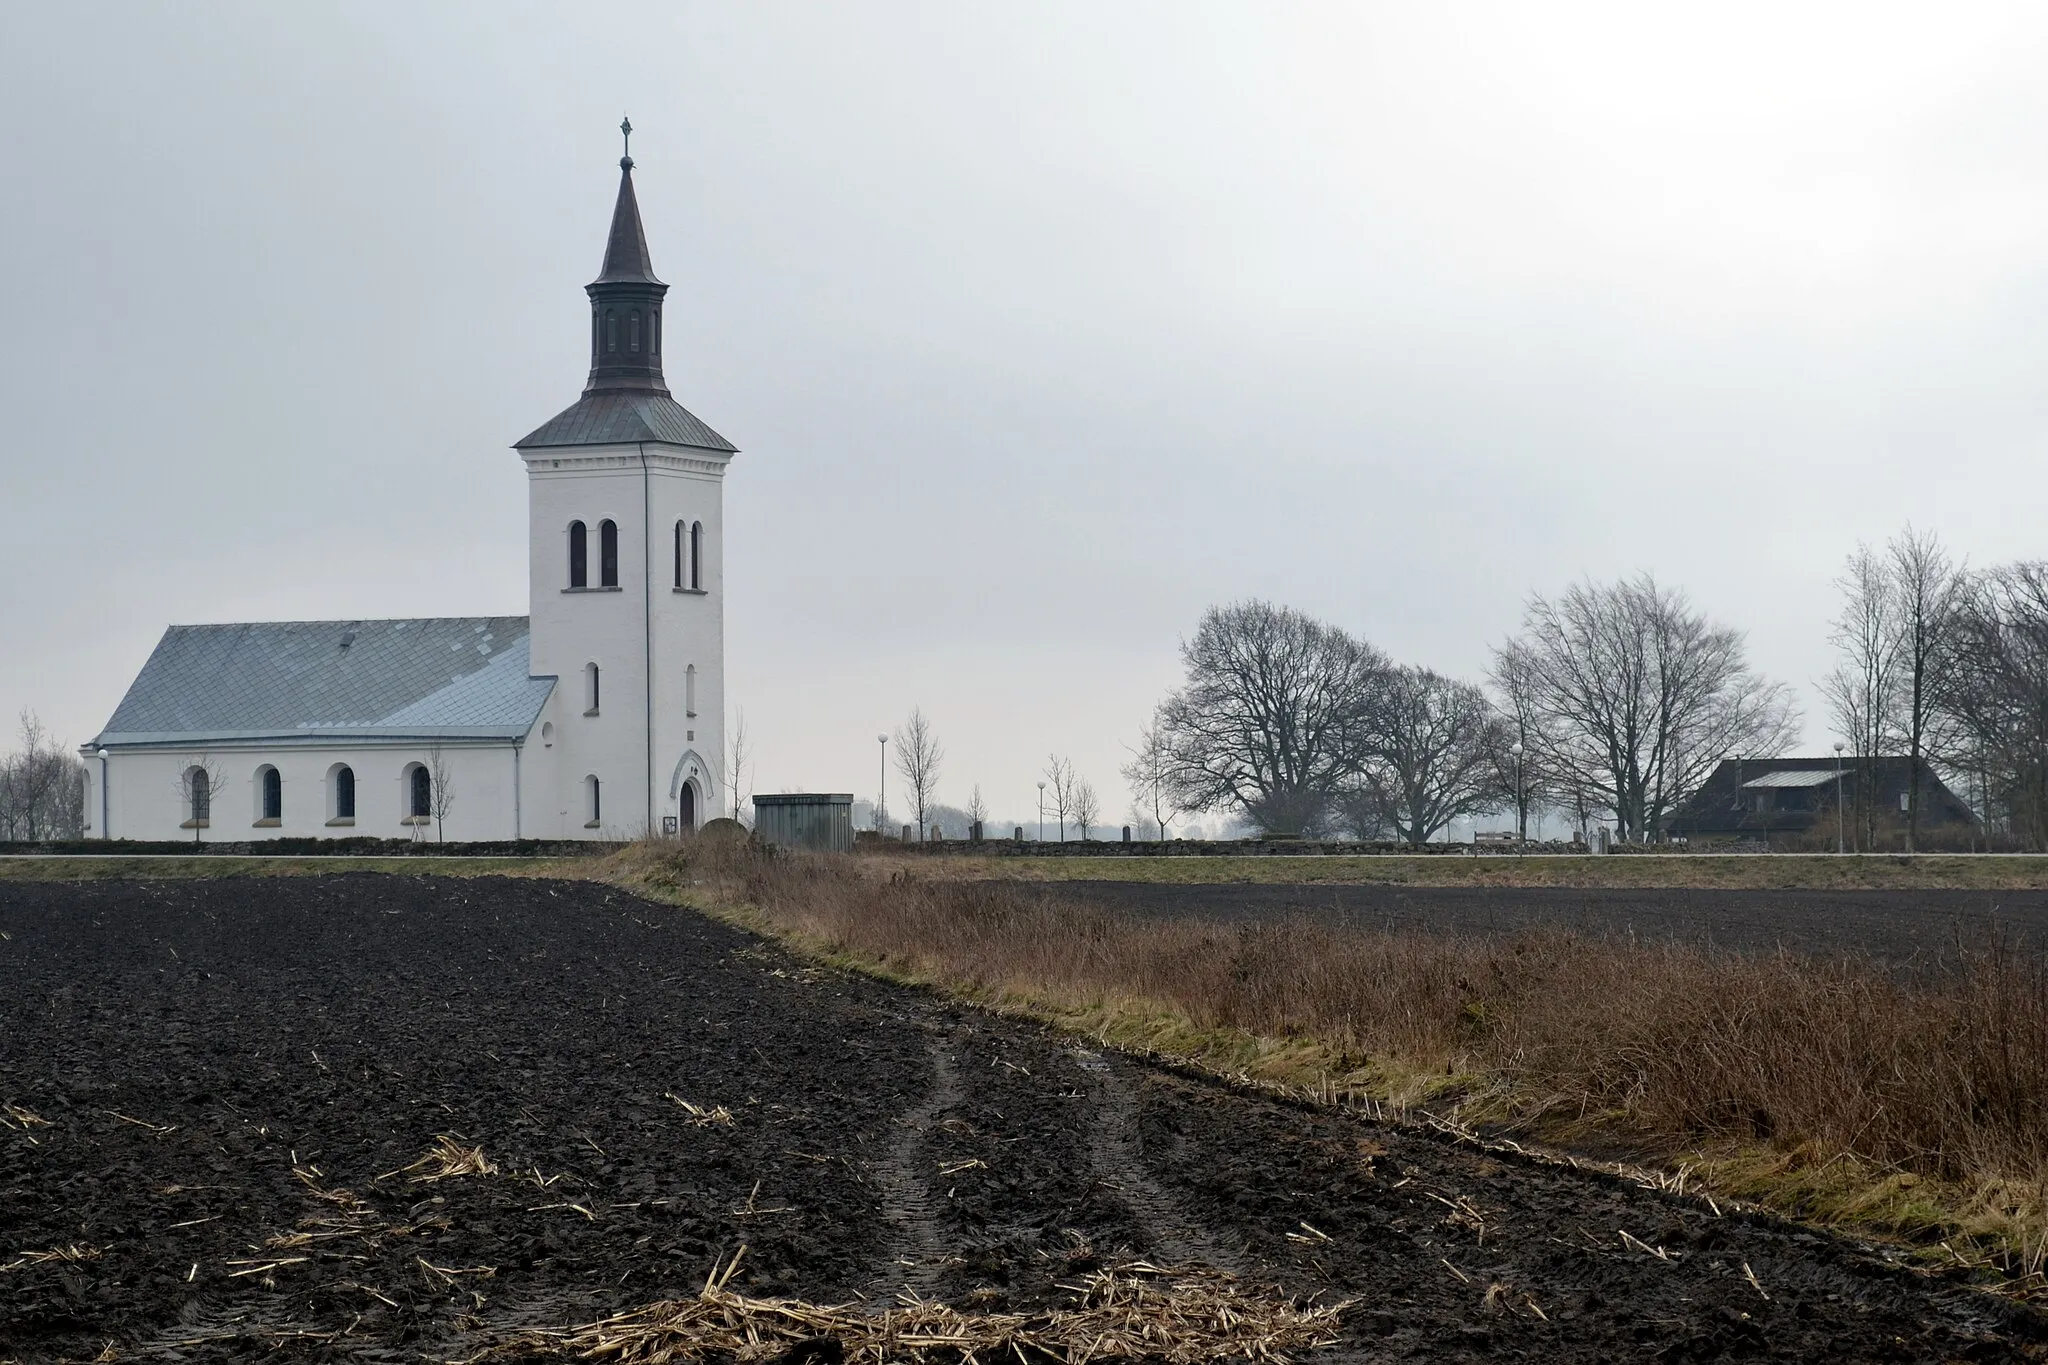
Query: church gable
[[454, 677]]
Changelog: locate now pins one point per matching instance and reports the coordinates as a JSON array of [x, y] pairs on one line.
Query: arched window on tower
[[679, 555], [590, 689], [611, 330], [633, 343], [579, 556], [690, 690], [697, 554], [656, 315], [596, 332], [608, 554], [593, 801]]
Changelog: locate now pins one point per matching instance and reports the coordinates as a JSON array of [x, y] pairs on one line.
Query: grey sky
[[1040, 327]]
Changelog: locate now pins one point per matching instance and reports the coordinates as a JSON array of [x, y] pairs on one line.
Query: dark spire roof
[[625, 252], [626, 399]]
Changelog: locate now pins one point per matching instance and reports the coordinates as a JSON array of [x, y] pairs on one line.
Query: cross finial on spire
[[626, 128]]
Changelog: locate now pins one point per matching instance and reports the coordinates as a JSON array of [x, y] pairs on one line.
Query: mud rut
[[224, 1071]]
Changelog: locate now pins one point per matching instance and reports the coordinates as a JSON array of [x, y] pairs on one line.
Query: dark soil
[[1896, 926], [233, 1074]]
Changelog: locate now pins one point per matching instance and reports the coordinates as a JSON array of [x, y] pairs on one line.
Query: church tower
[[626, 573]]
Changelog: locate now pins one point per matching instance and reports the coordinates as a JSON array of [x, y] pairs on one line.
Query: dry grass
[[1130, 1312], [1727, 872], [1834, 1090], [447, 1159]]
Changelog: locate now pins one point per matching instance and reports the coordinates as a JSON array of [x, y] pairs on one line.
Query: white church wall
[[609, 627], [146, 792]]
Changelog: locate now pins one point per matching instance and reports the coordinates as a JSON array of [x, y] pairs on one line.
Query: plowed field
[[223, 1099]]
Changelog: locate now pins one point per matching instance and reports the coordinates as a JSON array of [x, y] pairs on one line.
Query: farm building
[[1761, 798], [597, 715]]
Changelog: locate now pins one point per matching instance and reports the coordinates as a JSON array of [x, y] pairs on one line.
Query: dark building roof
[[1757, 797], [626, 399], [461, 677], [623, 418]]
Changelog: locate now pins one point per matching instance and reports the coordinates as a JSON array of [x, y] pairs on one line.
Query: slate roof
[[623, 419], [462, 677], [625, 247]]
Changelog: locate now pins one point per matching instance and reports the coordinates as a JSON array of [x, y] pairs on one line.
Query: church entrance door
[[689, 806]]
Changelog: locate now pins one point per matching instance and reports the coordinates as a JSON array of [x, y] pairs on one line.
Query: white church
[[596, 716]]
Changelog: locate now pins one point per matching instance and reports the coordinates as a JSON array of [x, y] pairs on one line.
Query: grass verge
[[1757, 872], [1833, 1092]]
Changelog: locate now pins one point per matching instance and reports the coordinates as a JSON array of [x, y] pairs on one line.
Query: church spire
[[625, 299]]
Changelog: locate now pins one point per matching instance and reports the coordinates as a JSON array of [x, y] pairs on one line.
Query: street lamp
[[1041, 812], [1521, 811], [882, 801], [1841, 836]]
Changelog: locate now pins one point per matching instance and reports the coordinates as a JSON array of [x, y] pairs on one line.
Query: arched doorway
[[688, 806]]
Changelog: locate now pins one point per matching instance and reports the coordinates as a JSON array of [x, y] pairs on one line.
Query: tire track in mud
[[1116, 1153], [921, 1249]]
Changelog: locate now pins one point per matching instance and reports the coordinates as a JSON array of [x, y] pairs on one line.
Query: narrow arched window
[[596, 790], [679, 554], [611, 330], [590, 689], [634, 336], [690, 690], [344, 793], [596, 334], [273, 795], [201, 789], [696, 554], [608, 554], [579, 556], [657, 331], [422, 793]]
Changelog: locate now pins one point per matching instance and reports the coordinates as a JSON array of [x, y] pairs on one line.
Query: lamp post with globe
[[1521, 810], [1841, 816], [882, 800]]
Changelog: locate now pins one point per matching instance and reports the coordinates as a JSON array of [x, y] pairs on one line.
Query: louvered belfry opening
[[625, 304]]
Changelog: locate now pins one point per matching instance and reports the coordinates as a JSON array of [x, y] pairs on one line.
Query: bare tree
[[918, 755], [1998, 692], [1433, 740], [1928, 588], [1086, 806], [31, 776], [1638, 696], [1059, 776], [737, 752], [440, 790], [1150, 776], [42, 787], [1862, 691], [1526, 781], [977, 812], [1271, 719], [199, 784], [1360, 810]]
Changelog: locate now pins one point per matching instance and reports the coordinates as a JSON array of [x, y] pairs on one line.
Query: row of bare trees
[[1942, 663], [42, 788], [1614, 699]]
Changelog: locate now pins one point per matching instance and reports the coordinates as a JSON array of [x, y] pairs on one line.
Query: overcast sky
[[1040, 327]]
